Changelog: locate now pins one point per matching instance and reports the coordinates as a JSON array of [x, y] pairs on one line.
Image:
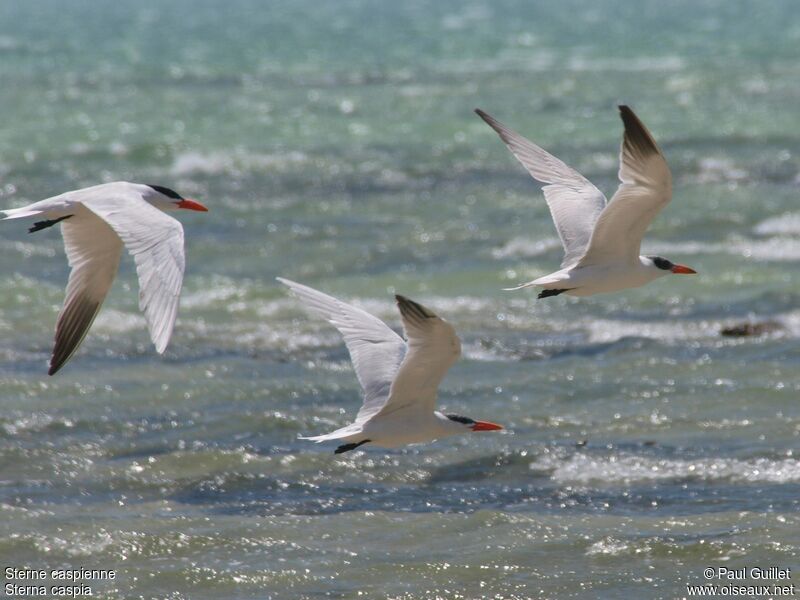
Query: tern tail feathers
[[521, 286], [19, 213], [341, 433]]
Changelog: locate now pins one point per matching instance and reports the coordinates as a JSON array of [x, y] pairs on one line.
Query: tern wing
[[433, 347], [645, 188], [574, 202], [93, 250], [376, 350], [156, 242]]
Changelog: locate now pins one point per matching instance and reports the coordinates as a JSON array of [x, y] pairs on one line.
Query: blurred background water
[[335, 145]]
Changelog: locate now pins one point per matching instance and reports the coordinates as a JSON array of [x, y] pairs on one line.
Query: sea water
[[335, 144]]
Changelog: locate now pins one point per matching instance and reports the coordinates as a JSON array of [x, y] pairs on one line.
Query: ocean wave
[[111, 320], [490, 330], [646, 64], [775, 249], [786, 224], [36, 422], [520, 247], [28, 249], [626, 469], [78, 544], [612, 330], [608, 546], [717, 170], [216, 290], [234, 163]]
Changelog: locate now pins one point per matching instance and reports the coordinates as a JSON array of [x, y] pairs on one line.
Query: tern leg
[[348, 447], [39, 225], [548, 293]]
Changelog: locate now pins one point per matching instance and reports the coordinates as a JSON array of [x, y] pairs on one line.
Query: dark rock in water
[[751, 329]]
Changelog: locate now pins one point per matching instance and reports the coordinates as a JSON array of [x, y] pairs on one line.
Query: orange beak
[[683, 270], [192, 205], [486, 426]]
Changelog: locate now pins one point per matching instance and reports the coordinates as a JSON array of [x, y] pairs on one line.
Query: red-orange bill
[[683, 270], [192, 205], [485, 426]]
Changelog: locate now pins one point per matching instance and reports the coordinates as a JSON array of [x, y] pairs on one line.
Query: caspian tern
[[400, 379], [601, 239], [96, 222]]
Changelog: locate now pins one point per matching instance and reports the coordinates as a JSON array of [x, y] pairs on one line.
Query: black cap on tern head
[[662, 263], [169, 193], [460, 419], [668, 265]]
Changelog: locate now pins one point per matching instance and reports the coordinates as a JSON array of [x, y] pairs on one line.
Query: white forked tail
[[339, 434], [19, 213], [521, 286]]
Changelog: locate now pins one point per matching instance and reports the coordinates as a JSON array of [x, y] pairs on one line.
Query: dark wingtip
[[410, 308], [636, 134], [39, 225], [56, 362], [485, 116]]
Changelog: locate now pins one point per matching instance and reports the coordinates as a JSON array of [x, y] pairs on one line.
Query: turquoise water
[[335, 145]]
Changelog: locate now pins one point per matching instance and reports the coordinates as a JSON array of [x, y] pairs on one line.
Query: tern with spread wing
[[601, 239], [96, 222], [400, 379]]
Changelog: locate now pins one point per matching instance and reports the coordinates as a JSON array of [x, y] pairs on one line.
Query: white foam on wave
[[111, 320], [294, 328], [76, 545], [610, 330], [776, 249], [608, 547], [520, 247], [286, 339], [27, 249], [220, 163], [33, 422], [718, 170], [628, 64], [786, 224], [481, 353], [221, 291], [790, 320], [586, 469]]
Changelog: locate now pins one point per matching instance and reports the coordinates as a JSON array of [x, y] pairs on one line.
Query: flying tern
[[601, 239], [96, 222], [400, 379]]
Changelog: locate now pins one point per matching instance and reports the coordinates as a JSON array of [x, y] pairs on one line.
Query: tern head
[[459, 424], [666, 266], [168, 199]]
